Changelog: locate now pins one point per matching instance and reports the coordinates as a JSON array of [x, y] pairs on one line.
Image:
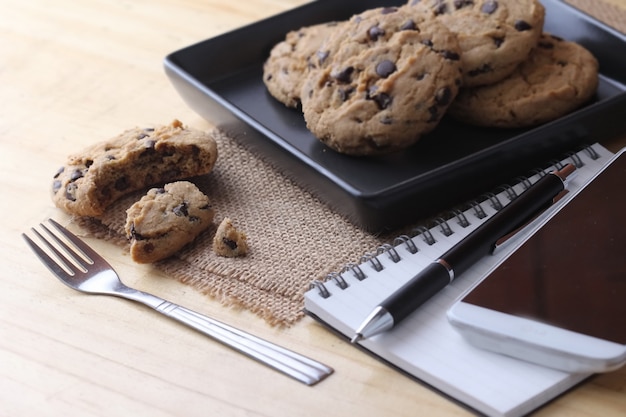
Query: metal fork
[[81, 268]]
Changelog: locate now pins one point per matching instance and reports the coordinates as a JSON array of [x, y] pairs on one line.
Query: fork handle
[[293, 364]]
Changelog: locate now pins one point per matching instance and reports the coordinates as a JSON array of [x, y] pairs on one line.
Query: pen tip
[[357, 338]]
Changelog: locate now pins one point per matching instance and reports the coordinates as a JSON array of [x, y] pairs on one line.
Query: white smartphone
[[559, 299]]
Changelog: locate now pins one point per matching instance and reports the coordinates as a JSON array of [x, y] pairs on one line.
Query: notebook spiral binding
[[442, 223]]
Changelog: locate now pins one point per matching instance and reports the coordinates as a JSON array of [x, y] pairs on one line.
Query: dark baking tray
[[221, 79]]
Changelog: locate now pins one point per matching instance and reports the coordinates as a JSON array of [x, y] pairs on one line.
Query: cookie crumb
[[229, 241]]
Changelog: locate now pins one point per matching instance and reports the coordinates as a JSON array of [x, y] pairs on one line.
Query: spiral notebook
[[425, 346]]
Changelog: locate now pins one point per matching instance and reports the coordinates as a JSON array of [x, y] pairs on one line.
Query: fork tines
[[59, 248]]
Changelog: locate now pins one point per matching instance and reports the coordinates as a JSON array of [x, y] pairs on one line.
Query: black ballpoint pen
[[464, 254]]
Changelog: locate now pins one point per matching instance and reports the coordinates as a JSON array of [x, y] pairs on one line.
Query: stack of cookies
[[379, 81]]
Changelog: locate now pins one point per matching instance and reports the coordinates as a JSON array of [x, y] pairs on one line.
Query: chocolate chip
[[489, 7], [522, 26], [56, 186], [345, 93], [443, 96], [122, 184], [388, 10], [59, 172], [230, 243], [89, 163], [76, 174], [409, 25], [498, 41], [434, 114], [459, 4], [159, 190], [375, 32], [133, 233], [149, 129], [383, 100], [385, 68], [440, 8], [343, 76], [150, 144], [142, 135], [182, 210], [70, 191], [482, 70], [452, 56], [545, 45]]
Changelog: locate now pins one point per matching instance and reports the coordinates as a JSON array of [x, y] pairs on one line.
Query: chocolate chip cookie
[[383, 79], [557, 78], [138, 158], [495, 36], [290, 59], [165, 220]]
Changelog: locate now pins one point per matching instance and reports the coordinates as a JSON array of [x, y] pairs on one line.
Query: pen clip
[[504, 239]]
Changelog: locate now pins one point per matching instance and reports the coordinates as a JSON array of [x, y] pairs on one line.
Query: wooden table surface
[[76, 72]]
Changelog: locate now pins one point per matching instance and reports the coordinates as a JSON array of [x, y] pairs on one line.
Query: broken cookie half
[[165, 220]]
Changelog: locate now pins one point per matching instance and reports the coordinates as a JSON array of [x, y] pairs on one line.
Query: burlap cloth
[[294, 238]]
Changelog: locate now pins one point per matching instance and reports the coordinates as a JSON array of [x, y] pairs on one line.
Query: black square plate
[[221, 79]]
